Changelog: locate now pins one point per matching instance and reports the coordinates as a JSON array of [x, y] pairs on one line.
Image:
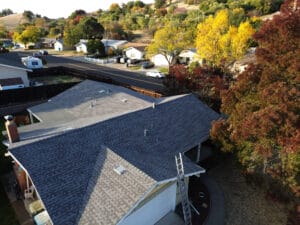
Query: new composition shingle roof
[[73, 171]]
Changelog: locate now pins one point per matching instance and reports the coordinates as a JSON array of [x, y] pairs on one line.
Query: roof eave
[[16, 67]]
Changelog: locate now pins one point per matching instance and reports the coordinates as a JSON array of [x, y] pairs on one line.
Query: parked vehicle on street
[[156, 74], [32, 62], [4, 50], [147, 64], [43, 52], [37, 55], [133, 61]]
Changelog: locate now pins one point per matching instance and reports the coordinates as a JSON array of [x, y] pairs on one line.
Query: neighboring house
[[81, 46], [189, 56], [135, 52], [7, 43], [241, 65], [59, 45], [269, 16], [46, 43], [103, 154], [160, 60], [113, 44], [11, 67]]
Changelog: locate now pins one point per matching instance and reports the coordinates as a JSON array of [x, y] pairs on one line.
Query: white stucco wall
[[134, 53], [58, 46], [8, 72], [81, 48], [160, 60], [155, 209]]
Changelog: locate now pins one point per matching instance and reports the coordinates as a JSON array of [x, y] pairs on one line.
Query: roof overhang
[[173, 179], [23, 168], [16, 67]]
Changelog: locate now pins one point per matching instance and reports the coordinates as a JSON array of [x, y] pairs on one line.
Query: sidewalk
[[18, 205]]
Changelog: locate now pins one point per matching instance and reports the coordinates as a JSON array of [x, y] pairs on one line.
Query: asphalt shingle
[[73, 173]]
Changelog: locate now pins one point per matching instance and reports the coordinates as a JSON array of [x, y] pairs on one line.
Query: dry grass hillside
[[12, 21]]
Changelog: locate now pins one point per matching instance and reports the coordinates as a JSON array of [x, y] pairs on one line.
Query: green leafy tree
[[28, 15], [87, 28], [96, 46], [263, 106], [76, 13], [91, 28], [159, 3], [3, 32], [6, 12], [72, 35]]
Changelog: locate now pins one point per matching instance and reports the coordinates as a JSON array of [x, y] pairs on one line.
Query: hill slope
[[12, 21]]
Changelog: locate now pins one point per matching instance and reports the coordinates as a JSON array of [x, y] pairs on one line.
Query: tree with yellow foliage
[[30, 34], [169, 41], [220, 43]]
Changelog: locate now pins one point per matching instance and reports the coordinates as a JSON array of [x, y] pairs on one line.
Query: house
[[12, 70], [135, 51], [188, 56], [113, 44], [160, 60], [46, 43], [103, 154], [59, 45], [241, 65], [81, 46]]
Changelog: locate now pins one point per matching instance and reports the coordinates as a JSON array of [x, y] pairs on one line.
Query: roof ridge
[[91, 183]]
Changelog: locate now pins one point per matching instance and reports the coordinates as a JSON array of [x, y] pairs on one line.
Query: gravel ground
[[246, 204]]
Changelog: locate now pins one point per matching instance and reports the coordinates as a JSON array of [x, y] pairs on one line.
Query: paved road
[[132, 78]]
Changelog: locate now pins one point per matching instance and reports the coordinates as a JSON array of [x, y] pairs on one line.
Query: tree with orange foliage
[[263, 106]]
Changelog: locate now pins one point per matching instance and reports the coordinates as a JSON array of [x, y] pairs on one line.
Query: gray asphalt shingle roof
[[71, 169]]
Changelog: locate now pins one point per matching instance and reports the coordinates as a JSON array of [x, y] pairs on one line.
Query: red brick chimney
[[11, 129]]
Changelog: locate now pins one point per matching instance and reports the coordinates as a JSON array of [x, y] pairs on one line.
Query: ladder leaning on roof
[[183, 191]]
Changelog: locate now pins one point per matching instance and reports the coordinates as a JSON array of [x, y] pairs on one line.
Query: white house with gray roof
[[103, 154], [13, 74], [81, 46]]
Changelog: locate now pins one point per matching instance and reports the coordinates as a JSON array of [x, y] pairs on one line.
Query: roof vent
[[146, 132], [93, 103], [124, 100], [101, 91], [153, 105], [119, 170]]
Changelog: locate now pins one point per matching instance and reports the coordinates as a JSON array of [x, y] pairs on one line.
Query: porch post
[[31, 118], [198, 153], [27, 181]]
